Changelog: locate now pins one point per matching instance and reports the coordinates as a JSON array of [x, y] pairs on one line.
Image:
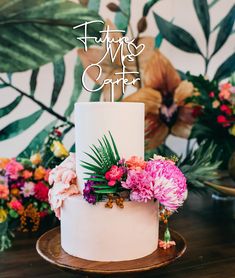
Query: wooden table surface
[[207, 225]]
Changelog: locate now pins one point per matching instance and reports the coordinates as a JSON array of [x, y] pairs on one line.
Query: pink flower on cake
[[41, 191], [169, 186], [13, 168], [4, 191], [135, 163], [64, 181], [28, 189], [141, 185], [58, 193], [114, 174]]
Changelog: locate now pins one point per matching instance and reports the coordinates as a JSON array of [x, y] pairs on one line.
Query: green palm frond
[[103, 157], [200, 165]]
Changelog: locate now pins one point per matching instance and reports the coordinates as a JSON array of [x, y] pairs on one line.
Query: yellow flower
[[39, 173], [3, 215], [3, 162], [215, 104], [232, 130], [58, 149], [36, 158]]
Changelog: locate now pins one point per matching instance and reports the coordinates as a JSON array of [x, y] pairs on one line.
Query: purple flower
[[88, 192]]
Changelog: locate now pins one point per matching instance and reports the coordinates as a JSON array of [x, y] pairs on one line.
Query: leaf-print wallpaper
[[40, 70]]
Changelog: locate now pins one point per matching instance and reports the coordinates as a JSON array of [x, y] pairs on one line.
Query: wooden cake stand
[[49, 248]]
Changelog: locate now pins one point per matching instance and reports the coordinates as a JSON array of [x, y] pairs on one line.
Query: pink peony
[[41, 191], [169, 186], [64, 181], [13, 168], [28, 189], [141, 185], [114, 174], [136, 163]]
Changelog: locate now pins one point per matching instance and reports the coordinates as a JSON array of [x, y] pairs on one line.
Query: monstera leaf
[[33, 33]]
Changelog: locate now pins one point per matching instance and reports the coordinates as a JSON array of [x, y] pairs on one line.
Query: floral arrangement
[[24, 189], [136, 179], [214, 111], [111, 178]]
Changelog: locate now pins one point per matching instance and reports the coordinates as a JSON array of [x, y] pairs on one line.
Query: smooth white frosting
[[125, 121], [96, 233]]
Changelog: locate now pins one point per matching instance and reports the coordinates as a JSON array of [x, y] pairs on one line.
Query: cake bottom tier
[[96, 233]]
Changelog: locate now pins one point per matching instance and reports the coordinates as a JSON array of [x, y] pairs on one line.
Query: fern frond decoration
[[103, 157]]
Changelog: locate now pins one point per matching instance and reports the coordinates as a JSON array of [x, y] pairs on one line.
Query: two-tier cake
[[107, 197]]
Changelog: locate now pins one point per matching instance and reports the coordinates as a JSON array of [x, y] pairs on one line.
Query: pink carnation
[[169, 186], [16, 205], [114, 174], [41, 191], [13, 168], [141, 185]]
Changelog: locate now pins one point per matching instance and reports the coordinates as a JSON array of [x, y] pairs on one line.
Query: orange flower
[[15, 192], [135, 163], [39, 173], [4, 191], [27, 174], [163, 95], [3, 162]]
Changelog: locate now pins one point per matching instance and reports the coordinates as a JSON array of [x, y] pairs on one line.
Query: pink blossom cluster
[[63, 179], [161, 179]]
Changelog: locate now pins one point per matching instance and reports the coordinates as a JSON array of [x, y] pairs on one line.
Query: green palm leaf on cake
[[103, 157]]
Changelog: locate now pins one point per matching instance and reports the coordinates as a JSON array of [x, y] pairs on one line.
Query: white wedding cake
[[94, 232]]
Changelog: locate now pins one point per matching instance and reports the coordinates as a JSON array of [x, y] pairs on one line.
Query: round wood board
[[49, 248]]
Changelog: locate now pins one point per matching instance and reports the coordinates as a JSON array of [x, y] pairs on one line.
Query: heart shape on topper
[[138, 49]]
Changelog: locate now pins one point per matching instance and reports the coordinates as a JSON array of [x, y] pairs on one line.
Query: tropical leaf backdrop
[[40, 71]]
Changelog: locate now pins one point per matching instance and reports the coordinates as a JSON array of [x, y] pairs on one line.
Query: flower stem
[[42, 105]]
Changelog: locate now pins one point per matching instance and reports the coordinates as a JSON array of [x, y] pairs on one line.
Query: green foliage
[[206, 127], [181, 39], [15, 128], [103, 157], [36, 143], [226, 68], [59, 75], [7, 109], [176, 35], [158, 40], [148, 6], [33, 81], [77, 87], [162, 150], [94, 5], [202, 11], [200, 165], [34, 33], [122, 17], [225, 29]]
